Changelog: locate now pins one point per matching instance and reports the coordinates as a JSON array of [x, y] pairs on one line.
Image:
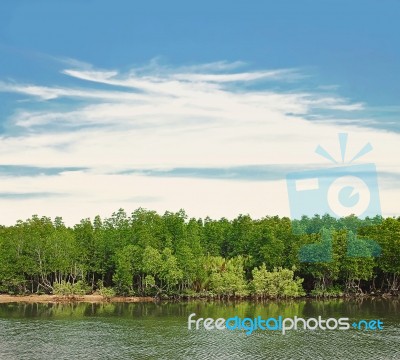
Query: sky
[[206, 106]]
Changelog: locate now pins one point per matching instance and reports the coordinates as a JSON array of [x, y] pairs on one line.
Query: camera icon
[[339, 191]]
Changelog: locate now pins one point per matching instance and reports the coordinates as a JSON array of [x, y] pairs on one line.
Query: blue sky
[[70, 71], [350, 43]]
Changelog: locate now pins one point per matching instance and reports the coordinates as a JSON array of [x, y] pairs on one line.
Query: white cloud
[[165, 118]]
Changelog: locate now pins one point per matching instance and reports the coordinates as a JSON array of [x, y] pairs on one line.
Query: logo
[[339, 192], [249, 325]]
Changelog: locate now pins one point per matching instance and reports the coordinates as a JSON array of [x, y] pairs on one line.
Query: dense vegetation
[[170, 255]]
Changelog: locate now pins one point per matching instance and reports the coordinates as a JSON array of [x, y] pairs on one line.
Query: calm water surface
[[159, 331]]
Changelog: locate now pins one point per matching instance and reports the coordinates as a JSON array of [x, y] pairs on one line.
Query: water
[[159, 331]]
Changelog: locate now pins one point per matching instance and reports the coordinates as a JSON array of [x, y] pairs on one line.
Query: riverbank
[[76, 298], [95, 298]]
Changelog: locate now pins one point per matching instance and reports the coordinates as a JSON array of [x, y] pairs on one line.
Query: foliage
[[106, 292], [67, 289], [145, 253], [275, 284], [226, 276]]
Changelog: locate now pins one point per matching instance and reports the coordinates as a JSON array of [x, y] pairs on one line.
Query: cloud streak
[[194, 127]]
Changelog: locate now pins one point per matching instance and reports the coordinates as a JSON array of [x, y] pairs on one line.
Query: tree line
[[148, 254]]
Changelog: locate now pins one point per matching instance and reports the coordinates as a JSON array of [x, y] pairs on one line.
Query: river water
[[160, 331]]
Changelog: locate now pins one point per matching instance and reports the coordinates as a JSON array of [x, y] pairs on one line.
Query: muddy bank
[[76, 298]]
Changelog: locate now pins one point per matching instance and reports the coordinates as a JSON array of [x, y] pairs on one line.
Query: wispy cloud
[[251, 173], [193, 127], [50, 93], [29, 171]]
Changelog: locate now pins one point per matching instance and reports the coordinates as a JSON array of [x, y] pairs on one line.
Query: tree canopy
[[146, 253]]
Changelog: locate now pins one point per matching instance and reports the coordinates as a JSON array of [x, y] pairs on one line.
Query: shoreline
[[95, 298], [4, 298]]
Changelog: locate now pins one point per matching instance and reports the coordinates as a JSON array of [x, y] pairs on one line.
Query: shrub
[[277, 283], [67, 289], [106, 292]]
